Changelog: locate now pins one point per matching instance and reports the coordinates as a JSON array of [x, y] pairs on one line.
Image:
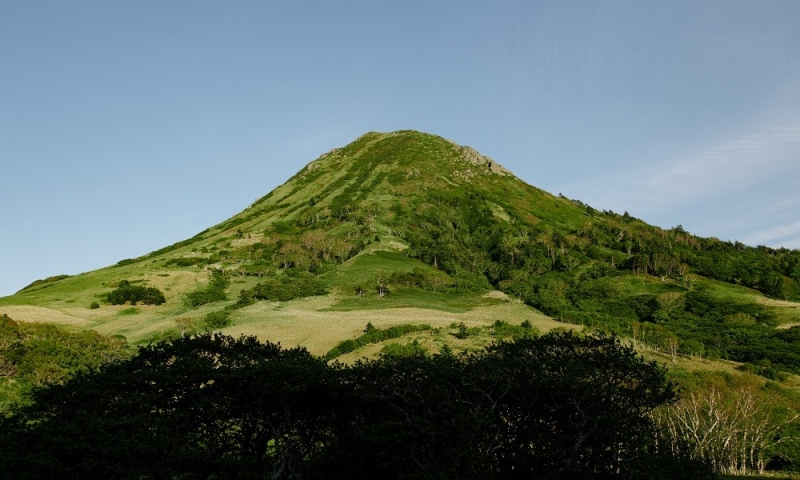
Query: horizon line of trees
[[553, 406]]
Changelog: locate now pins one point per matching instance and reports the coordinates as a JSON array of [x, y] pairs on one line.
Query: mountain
[[410, 228]]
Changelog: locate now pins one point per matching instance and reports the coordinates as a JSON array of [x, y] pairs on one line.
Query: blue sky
[[126, 126]]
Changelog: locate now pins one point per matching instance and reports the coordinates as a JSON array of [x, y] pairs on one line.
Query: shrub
[[217, 320], [284, 288], [213, 292], [126, 292], [373, 335], [463, 331], [502, 329]]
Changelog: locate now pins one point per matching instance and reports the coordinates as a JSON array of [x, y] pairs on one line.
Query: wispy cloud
[[747, 188], [721, 170], [784, 235]]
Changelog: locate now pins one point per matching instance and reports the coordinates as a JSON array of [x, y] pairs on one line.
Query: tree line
[[555, 406]]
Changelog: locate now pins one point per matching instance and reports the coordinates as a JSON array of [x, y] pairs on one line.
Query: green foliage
[[186, 261], [213, 292], [286, 287], [746, 424], [463, 331], [171, 248], [374, 335], [46, 281], [411, 349], [217, 320], [765, 369], [429, 280], [134, 294], [450, 230], [555, 406], [502, 330], [37, 354], [94, 305]]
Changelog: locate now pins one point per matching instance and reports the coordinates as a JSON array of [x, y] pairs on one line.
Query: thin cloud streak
[[786, 235], [723, 170]]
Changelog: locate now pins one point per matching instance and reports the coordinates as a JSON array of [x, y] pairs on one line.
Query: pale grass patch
[[300, 322], [496, 294], [787, 311], [703, 364], [136, 327], [772, 302], [251, 239], [178, 283], [393, 244], [31, 314]]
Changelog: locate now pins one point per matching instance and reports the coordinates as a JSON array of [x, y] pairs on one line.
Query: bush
[[463, 332], [186, 261], [126, 292], [217, 320], [284, 288], [373, 335], [213, 292], [502, 329], [94, 305]]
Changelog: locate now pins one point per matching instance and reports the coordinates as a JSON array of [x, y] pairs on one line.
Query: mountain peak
[[438, 225], [414, 149]]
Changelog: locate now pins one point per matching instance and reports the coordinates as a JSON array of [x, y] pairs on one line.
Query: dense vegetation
[[292, 284], [410, 220], [556, 406], [373, 335], [734, 423], [475, 230], [125, 292], [213, 292], [584, 276], [34, 354]]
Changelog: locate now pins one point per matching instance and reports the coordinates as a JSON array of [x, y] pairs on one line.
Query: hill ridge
[[438, 225]]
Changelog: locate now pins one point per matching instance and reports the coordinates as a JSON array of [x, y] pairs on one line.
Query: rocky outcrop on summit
[[474, 157]]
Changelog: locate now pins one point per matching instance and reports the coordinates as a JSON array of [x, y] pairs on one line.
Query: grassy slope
[[378, 175], [67, 301]]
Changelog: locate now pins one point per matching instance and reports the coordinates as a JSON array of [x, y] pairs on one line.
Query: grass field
[[314, 323]]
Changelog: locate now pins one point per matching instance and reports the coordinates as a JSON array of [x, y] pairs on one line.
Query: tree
[[214, 291], [669, 303], [382, 286], [204, 406], [218, 319], [125, 292], [185, 324], [556, 406], [210, 406], [733, 430], [572, 406]]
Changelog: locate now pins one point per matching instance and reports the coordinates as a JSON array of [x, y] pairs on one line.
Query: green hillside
[[405, 243], [417, 224]]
